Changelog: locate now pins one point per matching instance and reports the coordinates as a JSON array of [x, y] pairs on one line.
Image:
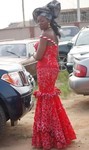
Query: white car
[[81, 46], [19, 51]]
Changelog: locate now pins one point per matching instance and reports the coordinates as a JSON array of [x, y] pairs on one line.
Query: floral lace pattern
[[52, 128]]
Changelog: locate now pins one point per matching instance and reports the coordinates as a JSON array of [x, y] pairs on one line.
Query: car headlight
[[15, 78]]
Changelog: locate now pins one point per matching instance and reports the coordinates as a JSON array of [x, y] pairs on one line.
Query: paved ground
[[77, 107]]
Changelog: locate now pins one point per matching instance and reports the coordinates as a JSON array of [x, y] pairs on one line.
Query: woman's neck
[[47, 29]]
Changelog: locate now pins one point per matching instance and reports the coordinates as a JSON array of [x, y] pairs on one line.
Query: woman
[[52, 128]]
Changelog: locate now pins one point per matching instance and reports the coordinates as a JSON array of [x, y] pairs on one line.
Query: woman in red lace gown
[[52, 128]]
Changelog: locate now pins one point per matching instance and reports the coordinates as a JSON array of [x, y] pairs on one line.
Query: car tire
[[2, 120], [62, 62]]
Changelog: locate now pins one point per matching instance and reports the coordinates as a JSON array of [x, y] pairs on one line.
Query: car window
[[13, 49], [83, 38], [67, 33], [31, 48], [63, 48]]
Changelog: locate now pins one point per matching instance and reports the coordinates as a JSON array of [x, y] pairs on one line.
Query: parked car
[[19, 51], [66, 43], [16, 87], [81, 46], [68, 32], [63, 51], [79, 79]]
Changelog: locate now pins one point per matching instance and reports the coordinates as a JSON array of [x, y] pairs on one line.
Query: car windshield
[[17, 50], [67, 33], [83, 38]]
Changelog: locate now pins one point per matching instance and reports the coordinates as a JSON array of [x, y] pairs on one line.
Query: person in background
[[52, 127]]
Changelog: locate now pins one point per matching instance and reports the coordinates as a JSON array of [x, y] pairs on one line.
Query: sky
[[11, 10]]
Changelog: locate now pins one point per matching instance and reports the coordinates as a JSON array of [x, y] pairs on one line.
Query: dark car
[[68, 32], [65, 44], [64, 48], [16, 87]]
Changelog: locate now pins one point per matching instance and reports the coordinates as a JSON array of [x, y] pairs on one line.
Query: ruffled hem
[[52, 128], [39, 94]]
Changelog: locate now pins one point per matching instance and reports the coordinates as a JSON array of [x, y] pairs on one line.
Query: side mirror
[[70, 45]]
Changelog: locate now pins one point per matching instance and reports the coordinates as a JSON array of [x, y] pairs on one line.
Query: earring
[[49, 25]]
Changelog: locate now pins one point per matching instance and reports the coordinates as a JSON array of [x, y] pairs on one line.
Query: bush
[[62, 83]]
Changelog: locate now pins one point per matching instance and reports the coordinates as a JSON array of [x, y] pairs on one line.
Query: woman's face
[[43, 22]]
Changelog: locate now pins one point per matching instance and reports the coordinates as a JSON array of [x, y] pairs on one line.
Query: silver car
[[81, 46], [79, 78]]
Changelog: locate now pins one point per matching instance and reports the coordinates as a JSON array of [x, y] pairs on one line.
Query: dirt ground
[[77, 108]]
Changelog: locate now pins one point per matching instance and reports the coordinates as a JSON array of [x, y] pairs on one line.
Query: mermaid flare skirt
[[52, 127]]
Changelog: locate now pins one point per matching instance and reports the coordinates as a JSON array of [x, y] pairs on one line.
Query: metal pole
[[78, 10], [23, 13]]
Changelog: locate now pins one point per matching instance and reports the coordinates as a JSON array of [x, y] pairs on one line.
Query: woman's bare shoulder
[[48, 33]]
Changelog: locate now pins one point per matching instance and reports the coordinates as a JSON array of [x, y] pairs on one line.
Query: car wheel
[[62, 62], [2, 120]]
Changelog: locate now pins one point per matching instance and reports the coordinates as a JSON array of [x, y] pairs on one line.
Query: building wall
[[70, 15], [29, 32], [66, 17], [17, 33]]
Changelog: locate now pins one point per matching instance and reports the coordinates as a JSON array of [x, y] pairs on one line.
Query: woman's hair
[[55, 27], [51, 12]]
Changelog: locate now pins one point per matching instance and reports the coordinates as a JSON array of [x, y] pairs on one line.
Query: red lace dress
[[52, 128]]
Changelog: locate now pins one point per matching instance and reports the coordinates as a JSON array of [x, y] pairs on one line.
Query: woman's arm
[[41, 49]]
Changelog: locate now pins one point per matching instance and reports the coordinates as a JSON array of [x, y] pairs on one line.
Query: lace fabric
[[52, 128]]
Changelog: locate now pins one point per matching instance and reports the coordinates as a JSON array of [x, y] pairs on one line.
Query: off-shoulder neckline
[[44, 37]]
